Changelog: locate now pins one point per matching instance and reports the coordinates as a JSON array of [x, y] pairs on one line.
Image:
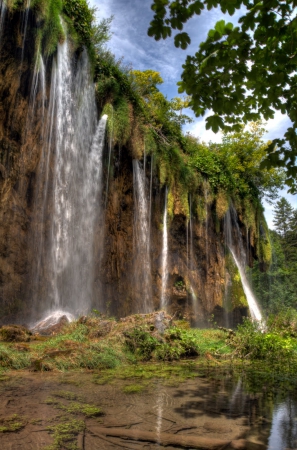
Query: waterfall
[[109, 161], [240, 260], [205, 190], [191, 268], [142, 263], [151, 199], [3, 9], [71, 167], [164, 256], [24, 28], [38, 91]]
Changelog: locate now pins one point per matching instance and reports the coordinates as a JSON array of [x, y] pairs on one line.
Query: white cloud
[[198, 129]]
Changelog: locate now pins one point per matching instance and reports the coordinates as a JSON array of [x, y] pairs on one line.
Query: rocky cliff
[[198, 270]]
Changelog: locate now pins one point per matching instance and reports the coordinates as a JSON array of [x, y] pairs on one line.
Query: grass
[[133, 350], [133, 389], [127, 344], [11, 424], [65, 434]]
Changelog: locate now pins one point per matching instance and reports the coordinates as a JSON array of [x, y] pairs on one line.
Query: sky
[[130, 41]]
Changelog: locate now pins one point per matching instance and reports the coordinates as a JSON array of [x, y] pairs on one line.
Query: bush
[[251, 342]]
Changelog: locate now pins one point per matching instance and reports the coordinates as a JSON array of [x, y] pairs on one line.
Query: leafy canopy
[[241, 73], [235, 164]]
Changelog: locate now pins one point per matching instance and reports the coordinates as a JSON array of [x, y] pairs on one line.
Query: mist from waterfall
[[71, 169], [239, 257], [142, 263], [164, 256]]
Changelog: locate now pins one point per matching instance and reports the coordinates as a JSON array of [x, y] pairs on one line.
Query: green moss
[[65, 434], [222, 203], [74, 407], [134, 389], [236, 296]]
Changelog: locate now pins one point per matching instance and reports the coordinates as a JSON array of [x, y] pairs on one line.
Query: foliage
[[54, 17], [84, 22], [283, 217], [277, 287], [140, 342], [251, 342], [223, 76]]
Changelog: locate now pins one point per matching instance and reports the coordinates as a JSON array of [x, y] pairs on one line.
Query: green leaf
[[220, 27]]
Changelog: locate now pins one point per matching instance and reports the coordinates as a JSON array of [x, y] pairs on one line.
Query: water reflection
[[283, 434], [212, 407]]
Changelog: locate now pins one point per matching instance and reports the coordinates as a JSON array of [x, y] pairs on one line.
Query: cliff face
[[197, 271], [196, 281], [19, 153]]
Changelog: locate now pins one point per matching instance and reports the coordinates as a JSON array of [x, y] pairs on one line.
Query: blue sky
[[130, 40]]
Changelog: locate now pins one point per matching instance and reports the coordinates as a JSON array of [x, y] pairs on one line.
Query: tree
[[241, 73], [146, 85], [283, 214]]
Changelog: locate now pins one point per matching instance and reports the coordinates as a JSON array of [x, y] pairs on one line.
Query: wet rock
[[47, 328], [162, 321], [14, 333]]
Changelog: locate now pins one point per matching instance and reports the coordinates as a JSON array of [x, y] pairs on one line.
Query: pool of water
[[211, 409]]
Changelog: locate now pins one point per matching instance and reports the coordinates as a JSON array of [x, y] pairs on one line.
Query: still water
[[205, 409]]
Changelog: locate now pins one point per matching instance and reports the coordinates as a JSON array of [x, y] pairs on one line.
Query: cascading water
[[38, 93], [240, 260], [151, 195], [164, 256], [110, 147], [24, 27], [142, 263], [191, 267], [72, 155], [206, 193]]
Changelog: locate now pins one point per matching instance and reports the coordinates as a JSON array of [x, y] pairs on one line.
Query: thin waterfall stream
[[164, 256], [231, 222], [3, 9], [142, 263]]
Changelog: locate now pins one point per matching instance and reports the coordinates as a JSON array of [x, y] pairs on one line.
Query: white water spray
[[164, 256]]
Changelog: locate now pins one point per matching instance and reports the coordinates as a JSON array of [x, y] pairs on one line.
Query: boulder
[[47, 328]]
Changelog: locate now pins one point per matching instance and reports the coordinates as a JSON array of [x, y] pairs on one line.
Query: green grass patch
[[133, 389], [65, 434]]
